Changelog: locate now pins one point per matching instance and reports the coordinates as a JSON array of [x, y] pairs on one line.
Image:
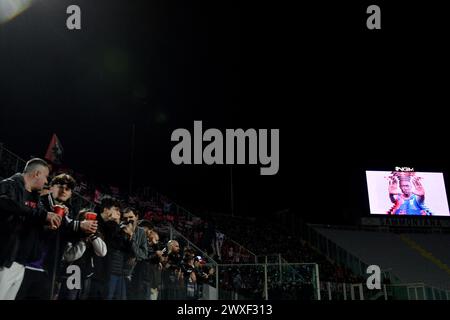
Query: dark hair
[[32, 164], [146, 224], [108, 203], [130, 209], [64, 179], [188, 257]]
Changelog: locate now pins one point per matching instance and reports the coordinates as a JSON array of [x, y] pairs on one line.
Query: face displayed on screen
[[405, 186], [407, 193]]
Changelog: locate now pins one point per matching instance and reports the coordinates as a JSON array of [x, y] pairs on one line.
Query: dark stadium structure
[[343, 98]]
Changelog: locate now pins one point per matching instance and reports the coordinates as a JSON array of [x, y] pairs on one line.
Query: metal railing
[[189, 216], [11, 163], [340, 256], [359, 291], [280, 280], [265, 281]]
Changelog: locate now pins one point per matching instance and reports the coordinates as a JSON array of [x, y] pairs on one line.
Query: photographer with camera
[[136, 289], [189, 276], [152, 266], [172, 277], [120, 255], [203, 275]]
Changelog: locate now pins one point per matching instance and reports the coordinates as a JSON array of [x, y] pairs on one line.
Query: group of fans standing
[[49, 250]]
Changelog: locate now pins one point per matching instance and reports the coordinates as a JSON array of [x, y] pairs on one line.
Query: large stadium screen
[[407, 193]]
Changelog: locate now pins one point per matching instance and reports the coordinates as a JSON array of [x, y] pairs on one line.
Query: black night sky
[[345, 99]]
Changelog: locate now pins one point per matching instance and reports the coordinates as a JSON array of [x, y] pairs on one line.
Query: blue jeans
[[117, 288], [75, 294]]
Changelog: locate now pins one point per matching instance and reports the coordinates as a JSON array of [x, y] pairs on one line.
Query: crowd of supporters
[[51, 250], [116, 262]]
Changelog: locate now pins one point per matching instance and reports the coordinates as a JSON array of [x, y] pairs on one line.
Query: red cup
[[90, 216], [59, 210]]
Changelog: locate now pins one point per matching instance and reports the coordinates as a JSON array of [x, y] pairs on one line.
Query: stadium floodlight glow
[[9, 9]]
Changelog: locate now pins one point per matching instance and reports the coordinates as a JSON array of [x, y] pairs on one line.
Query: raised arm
[[393, 189], [420, 191], [99, 246]]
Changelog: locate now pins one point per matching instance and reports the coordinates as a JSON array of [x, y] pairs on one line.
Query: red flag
[[54, 151], [98, 196]]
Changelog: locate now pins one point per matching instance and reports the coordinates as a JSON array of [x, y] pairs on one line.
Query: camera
[[159, 246], [123, 224], [174, 260]]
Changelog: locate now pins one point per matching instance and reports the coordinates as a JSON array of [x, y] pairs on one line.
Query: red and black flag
[[54, 151]]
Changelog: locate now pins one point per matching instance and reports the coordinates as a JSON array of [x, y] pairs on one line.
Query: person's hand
[[66, 210], [164, 260], [128, 230], [89, 226], [159, 253], [53, 220], [131, 261], [393, 185], [420, 191]]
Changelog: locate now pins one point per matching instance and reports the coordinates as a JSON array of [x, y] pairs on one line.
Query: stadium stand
[[277, 263], [238, 276], [412, 258]]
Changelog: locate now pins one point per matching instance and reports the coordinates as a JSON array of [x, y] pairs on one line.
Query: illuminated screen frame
[[434, 201]]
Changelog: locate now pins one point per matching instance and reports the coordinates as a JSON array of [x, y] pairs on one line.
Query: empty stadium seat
[[407, 255]]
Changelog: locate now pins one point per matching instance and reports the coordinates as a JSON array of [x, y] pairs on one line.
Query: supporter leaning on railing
[[40, 274], [81, 253], [22, 217]]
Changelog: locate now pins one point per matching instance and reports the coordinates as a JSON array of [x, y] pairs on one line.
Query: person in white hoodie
[[78, 260]]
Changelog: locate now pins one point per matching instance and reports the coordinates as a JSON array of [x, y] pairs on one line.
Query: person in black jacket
[[151, 275], [171, 275], [136, 289], [203, 275], [189, 276], [108, 221], [40, 274], [120, 256], [22, 216]]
